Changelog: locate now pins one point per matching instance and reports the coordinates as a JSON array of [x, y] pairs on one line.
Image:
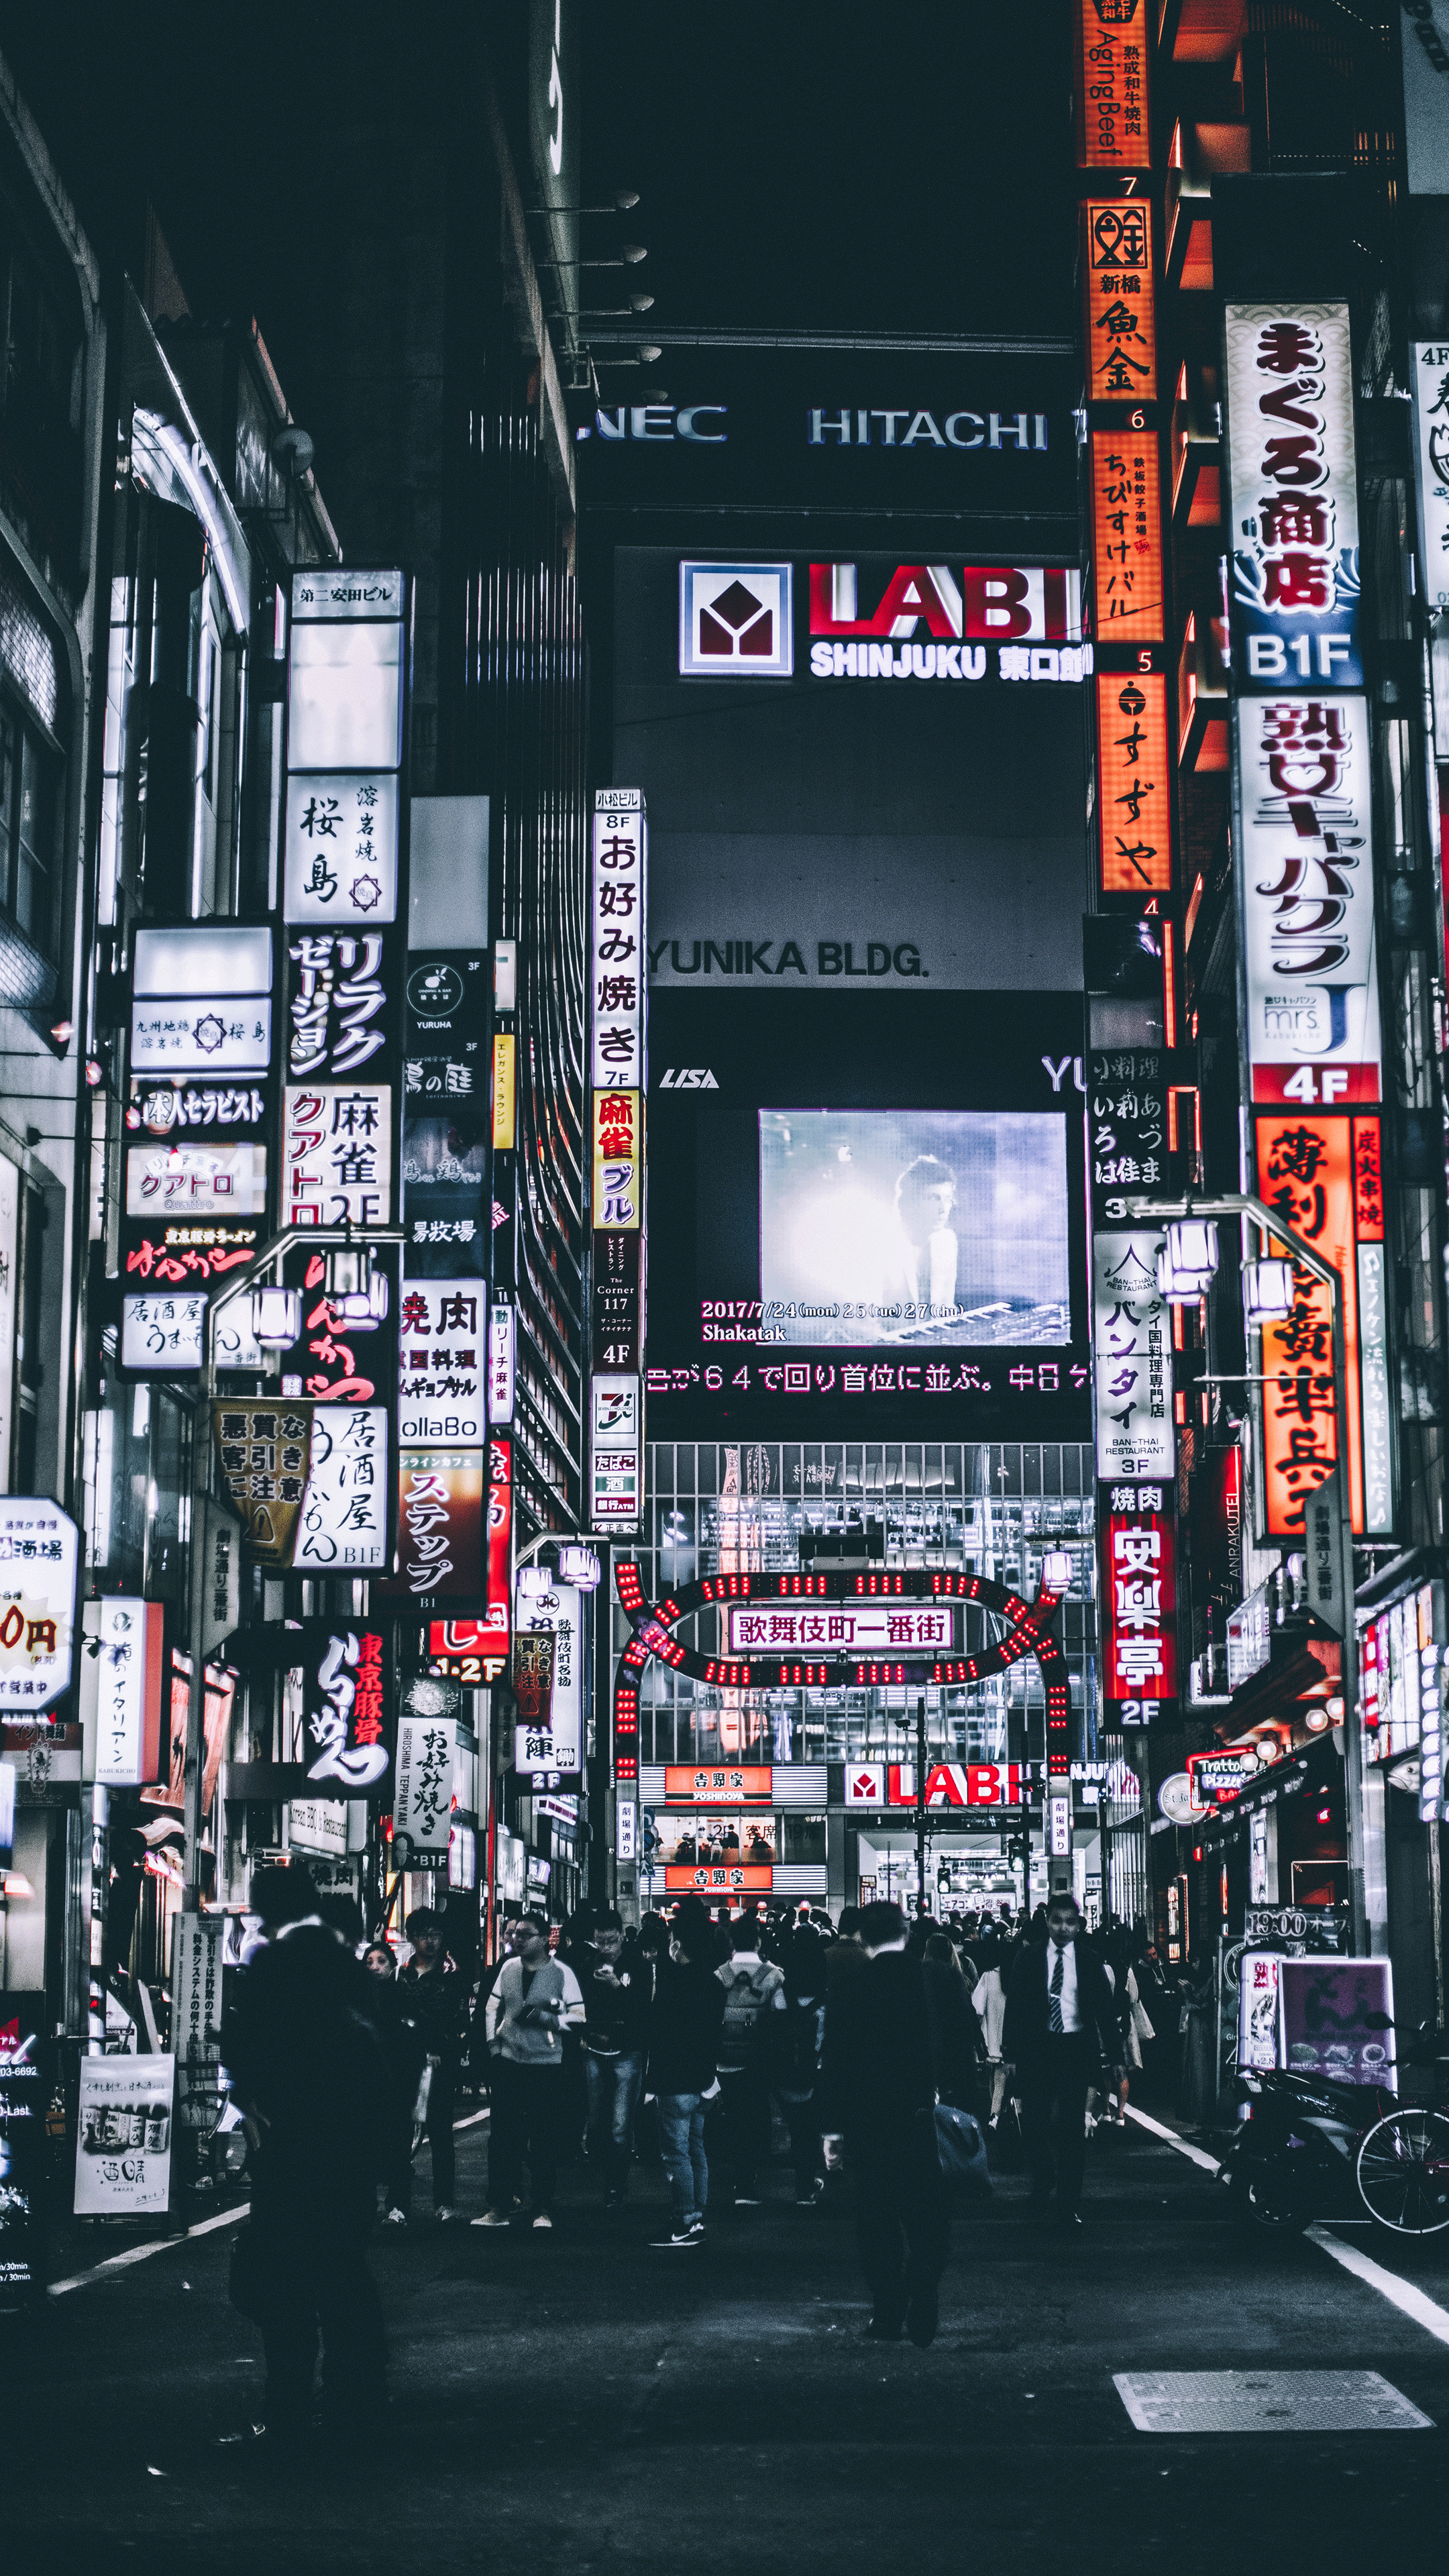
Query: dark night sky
[[902, 168]]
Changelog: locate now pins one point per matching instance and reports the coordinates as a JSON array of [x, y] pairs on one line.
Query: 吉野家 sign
[[38, 1544], [719, 1785]]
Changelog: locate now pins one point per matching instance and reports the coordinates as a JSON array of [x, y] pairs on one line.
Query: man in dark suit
[[876, 2094], [1060, 2031]]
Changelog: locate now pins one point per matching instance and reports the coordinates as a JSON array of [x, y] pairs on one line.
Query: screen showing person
[[944, 1227]]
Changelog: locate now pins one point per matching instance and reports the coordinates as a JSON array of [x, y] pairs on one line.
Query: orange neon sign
[[1133, 783], [1119, 302], [1111, 43], [1306, 1171], [1127, 536]]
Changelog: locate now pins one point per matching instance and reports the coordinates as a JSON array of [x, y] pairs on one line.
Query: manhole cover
[[1266, 2401]]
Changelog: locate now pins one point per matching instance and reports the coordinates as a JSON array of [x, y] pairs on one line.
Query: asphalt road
[[593, 2403]]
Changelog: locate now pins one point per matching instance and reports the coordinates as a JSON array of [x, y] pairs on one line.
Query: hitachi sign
[[991, 603], [1014, 431]]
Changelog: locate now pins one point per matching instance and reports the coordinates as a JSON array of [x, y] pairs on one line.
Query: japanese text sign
[[1133, 1353], [1112, 40], [1295, 597], [1139, 1609], [1120, 312], [1127, 536], [423, 1794], [1307, 895], [617, 952], [37, 1601], [344, 1510], [1306, 1173], [1134, 774]]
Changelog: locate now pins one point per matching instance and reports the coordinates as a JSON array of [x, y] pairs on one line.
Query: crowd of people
[[688, 2043]]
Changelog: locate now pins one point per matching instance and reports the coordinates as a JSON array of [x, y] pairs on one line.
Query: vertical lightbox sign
[[619, 1075], [1303, 856], [344, 903]]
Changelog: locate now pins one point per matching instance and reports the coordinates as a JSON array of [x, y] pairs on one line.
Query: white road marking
[[156, 2245], [1401, 2294], [1404, 2295], [1184, 2146], [203, 2227]]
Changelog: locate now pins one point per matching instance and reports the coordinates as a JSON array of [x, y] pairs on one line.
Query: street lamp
[[1189, 1225]]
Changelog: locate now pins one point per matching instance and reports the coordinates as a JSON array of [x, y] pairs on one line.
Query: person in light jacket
[[535, 2000]]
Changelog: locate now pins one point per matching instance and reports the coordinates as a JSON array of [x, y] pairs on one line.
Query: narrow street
[[593, 2402]]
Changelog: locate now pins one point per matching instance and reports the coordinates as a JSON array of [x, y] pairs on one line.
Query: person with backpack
[[753, 1988]]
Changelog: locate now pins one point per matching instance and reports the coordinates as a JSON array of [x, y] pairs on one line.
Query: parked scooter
[[1312, 2148]]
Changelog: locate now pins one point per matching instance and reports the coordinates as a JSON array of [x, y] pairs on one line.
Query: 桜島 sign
[[1294, 493], [37, 1601], [341, 847]]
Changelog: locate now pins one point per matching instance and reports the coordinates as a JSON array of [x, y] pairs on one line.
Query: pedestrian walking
[[876, 2099], [307, 2072], [404, 2057], [989, 2004], [752, 1987], [535, 2000], [434, 1997], [683, 2046], [1060, 2032], [617, 1988], [955, 2031], [793, 2040]]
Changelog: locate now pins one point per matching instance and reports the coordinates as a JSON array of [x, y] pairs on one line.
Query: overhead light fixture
[[1180, 1287], [1316, 1718], [276, 1317], [533, 1581], [1192, 1246], [1056, 1570], [622, 203], [346, 1272], [1268, 1293], [580, 1567], [63, 1031]]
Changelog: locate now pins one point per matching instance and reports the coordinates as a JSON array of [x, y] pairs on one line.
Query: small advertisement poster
[[22, 2144], [1258, 1979], [1330, 2007], [123, 2159]]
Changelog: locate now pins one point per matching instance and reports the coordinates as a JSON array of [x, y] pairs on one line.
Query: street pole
[[1244, 1203], [921, 1804]]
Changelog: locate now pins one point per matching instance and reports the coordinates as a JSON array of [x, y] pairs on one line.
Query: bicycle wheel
[[1403, 2172]]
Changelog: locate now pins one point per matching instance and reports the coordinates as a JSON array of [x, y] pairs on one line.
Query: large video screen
[[933, 1229], [866, 1217]]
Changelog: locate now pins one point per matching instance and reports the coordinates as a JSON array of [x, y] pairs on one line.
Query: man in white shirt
[[1060, 2031]]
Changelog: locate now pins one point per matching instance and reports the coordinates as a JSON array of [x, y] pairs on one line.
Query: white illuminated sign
[[501, 1333], [337, 1154], [1132, 1351], [1306, 873], [345, 696], [196, 1180], [441, 1326], [343, 1524], [163, 1332], [341, 848], [37, 1601], [841, 1628], [736, 621]]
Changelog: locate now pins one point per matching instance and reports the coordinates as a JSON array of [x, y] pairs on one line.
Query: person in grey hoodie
[[535, 2000]]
